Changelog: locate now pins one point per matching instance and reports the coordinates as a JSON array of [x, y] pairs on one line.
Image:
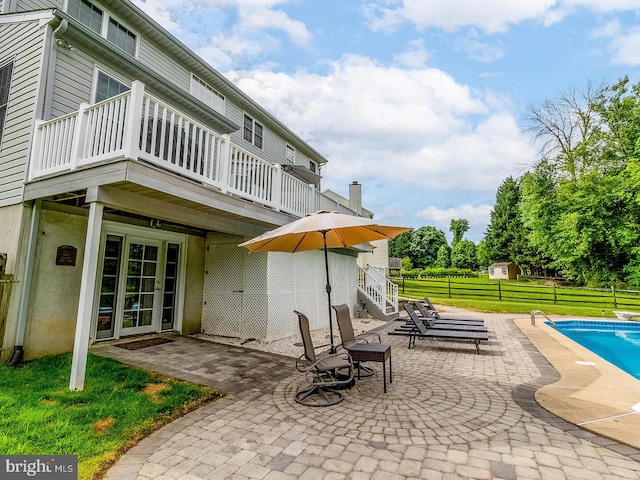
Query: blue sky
[[421, 101]]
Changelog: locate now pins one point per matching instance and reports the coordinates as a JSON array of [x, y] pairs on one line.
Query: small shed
[[395, 263], [504, 270]]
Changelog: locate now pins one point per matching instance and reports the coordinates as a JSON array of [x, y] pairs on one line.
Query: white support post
[[276, 187], [223, 163], [133, 122], [313, 204], [79, 136], [36, 150], [85, 304]]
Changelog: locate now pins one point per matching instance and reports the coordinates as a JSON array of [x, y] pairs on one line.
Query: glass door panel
[[170, 282], [140, 287], [109, 287]]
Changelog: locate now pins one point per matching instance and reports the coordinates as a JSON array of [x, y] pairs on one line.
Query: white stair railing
[[378, 288]]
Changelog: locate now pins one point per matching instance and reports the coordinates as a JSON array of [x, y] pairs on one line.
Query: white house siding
[[273, 147], [379, 257], [11, 220], [23, 42], [27, 5], [72, 81], [154, 58]]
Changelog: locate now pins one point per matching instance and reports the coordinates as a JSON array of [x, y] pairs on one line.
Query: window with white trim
[[252, 131], [5, 85], [93, 17], [121, 37], [107, 87], [313, 167], [291, 155], [86, 13], [207, 94]]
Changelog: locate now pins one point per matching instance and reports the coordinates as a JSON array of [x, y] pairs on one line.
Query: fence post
[[499, 291], [555, 298], [613, 295], [449, 282]]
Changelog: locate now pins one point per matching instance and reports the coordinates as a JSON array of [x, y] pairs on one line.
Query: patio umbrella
[[322, 230]]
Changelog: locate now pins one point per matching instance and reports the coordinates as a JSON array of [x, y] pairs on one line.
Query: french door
[[141, 290], [139, 286]]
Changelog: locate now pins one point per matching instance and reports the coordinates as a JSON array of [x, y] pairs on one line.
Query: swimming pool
[[616, 342]]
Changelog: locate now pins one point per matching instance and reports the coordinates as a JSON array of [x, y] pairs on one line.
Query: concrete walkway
[[449, 414]]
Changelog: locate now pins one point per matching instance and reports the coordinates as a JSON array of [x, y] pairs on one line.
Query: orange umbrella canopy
[[308, 233]]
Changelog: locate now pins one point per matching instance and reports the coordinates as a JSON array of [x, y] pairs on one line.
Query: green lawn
[[120, 405], [517, 297]]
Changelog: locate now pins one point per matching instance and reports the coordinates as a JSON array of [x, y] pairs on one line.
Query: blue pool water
[[616, 342]]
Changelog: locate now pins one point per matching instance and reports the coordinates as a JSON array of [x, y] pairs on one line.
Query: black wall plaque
[[66, 255]]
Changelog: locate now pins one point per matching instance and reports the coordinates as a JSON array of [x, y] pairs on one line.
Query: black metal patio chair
[[326, 373]]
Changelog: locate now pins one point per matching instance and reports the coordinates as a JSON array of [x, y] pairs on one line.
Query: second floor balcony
[[137, 126]]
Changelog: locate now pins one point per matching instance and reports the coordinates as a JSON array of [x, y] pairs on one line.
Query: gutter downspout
[[50, 68], [18, 349]]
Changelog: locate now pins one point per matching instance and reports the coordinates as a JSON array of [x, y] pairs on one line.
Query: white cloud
[[406, 128], [477, 50], [263, 18], [477, 216], [415, 56], [623, 43], [491, 16], [610, 29], [256, 28], [625, 48]]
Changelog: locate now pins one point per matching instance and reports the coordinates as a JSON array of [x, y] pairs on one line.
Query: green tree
[[406, 264], [482, 253], [630, 232], [424, 245], [399, 246], [576, 203], [443, 258], [463, 255], [507, 238], [458, 227]]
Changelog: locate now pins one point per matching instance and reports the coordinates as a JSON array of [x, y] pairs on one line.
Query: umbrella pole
[[326, 265]]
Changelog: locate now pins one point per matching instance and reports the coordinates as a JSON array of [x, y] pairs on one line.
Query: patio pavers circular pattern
[[449, 414], [432, 408]]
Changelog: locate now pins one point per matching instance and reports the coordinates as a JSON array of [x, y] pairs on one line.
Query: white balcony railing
[[135, 125]]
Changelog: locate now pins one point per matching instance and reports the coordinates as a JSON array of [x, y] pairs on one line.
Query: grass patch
[[517, 297], [120, 405]]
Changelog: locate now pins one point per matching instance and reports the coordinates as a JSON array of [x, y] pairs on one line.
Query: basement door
[[138, 291]]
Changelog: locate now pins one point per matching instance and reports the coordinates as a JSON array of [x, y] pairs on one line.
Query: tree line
[[428, 247], [576, 212]]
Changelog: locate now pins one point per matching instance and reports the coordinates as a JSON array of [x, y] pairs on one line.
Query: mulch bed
[[148, 342]]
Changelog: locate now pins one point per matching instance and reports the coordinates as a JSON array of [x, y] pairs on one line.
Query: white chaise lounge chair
[[627, 315]]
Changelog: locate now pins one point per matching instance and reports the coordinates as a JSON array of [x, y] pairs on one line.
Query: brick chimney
[[355, 197]]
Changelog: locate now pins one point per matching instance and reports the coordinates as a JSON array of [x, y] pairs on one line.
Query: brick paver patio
[[448, 414]]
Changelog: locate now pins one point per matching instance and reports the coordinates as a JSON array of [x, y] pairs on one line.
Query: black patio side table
[[373, 352]]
